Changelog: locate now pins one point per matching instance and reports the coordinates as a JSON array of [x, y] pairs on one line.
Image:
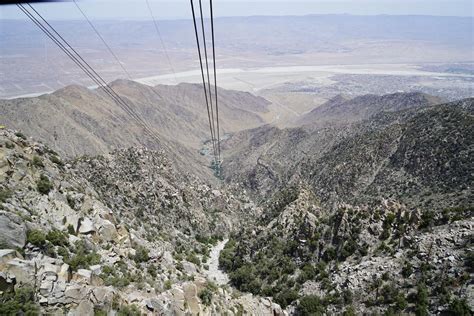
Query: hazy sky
[[166, 9]]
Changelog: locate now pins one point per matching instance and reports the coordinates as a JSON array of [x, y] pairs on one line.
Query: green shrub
[[350, 246], [168, 284], [5, 194], [99, 312], [9, 145], [152, 271], [141, 255], [207, 293], [308, 272], [347, 296], [21, 135], [350, 311], [36, 238], [427, 219], [421, 307], [400, 302], [19, 302], [407, 269], [63, 252], [459, 307], [243, 276], [389, 293], [43, 185], [311, 305], [71, 230], [83, 258], [330, 254], [37, 162], [129, 310], [193, 259], [56, 160], [286, 297], [211, 240], [226, 257], [117, 281], [57, 237]]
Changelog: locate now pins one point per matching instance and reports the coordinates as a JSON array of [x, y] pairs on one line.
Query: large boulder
[[86, 226], [85, 308], [177, 301], [103, 295], [12, 231], [7, 255], [123, 236], [189, 268], [76, 293], [64, 273], [107, 231], [83, 276], [24, 271]]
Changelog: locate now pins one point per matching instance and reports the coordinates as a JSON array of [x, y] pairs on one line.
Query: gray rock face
[[12, 230], [189, 268], [85, 308], [76, 293], [87, 226], [123, 237], [7, 255], [107, 231], [22, 270]]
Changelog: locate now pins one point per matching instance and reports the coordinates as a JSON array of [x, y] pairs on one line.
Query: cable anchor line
[[208, 77], [84, 66], [155, 23], [204, 81], [103, 40], [215, 87]]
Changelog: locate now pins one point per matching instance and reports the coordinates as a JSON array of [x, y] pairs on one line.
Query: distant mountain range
[[76, 120]]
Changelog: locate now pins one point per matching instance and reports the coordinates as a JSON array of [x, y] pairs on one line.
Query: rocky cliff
[[120, 233], [421, 156]]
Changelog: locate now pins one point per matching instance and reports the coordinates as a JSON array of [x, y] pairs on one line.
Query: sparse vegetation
[[207, 293], [19, 302], [37, 162], [141, 255], [36, 238], [311, 305], [82, 257], [20, 135], [55, 159], [44, 185], [57, 238], [5, 194]]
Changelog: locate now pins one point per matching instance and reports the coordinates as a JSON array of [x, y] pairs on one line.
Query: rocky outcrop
[[12, 230], [124, 232]]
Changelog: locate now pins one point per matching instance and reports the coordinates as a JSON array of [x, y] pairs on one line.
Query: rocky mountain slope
[[421, 155], [368, 209], [369, 216], [123, 232], [340, 110], [353, 260], [76, 120]]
